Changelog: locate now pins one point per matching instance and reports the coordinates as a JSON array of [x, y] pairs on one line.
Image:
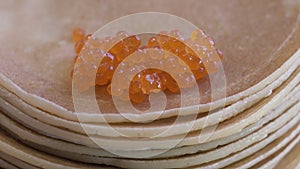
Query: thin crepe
[[159, 126], [260, 136], [40, 62], [17, 151], [265, 110]]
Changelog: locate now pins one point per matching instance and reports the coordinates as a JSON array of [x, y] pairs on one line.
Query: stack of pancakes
[[256, 125]]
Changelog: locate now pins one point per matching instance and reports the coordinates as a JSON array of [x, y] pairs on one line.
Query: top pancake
[[36, 50]]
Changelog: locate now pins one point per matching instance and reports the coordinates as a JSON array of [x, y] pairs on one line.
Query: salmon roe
[[197, 52]]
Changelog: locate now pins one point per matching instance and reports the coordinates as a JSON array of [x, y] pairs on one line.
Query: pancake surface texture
[[255, 126]]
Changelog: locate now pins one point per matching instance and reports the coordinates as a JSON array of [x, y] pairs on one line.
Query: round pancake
[[273, 159], [279, 124], [17, 151], [69, 147], [291, 99], [192, 138], [266, 149], [41, 60], [16, 162], [35, 85], [6, 164], [224, 129], [288, 158], [149, 129]]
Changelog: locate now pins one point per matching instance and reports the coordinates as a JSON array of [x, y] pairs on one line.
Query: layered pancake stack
[[255, 125]]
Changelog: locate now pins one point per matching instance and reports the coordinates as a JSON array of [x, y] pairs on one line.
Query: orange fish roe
[[197, 52], [78, 34]]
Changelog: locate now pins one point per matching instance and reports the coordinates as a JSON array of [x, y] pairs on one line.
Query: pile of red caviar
[[197, 52]]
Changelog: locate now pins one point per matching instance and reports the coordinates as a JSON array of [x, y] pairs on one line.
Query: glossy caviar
[[197, 52]]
